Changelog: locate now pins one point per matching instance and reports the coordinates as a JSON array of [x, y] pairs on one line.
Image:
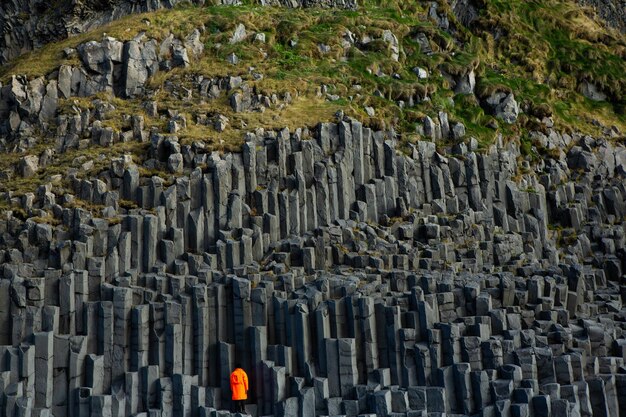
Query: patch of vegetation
[[526, 40], [65, 163], [554, 43], [47, 219]]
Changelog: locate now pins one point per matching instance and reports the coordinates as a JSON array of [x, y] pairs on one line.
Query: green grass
[[552, 39]]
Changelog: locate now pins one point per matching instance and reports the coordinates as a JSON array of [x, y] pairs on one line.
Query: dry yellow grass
[[101, 157], [302, 112]]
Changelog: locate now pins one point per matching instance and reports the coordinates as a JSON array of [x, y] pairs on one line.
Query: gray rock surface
[[591, 91], [504, 106], [349, 271], [29, 165], [239, 34], [466, 302]]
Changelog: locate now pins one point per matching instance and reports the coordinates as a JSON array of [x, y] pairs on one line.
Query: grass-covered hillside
[[389, 64]]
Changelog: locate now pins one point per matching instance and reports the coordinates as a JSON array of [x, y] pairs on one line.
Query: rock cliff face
[[29, 24], [612, 11], [348, 277], [351, 271]]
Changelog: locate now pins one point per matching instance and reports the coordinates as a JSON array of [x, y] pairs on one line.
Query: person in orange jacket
[[239, 388]]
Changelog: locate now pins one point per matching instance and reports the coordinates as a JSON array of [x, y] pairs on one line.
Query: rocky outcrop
[[466, 11], [591, 91], [613, 12], [348, 275], [503, 106], [120, 68], [29, 24]]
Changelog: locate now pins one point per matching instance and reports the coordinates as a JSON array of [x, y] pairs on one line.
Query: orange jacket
[[239, 384]]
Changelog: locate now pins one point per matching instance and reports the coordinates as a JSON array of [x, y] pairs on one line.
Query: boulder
[[28, 166], [620, 161], [36, 92], [194, 44], [579, 159], [591, 91], [465, 83], [504, 106], [179, 56], [65, 81], [239, 35], [175, 163], [458, 130], [421, 73], [431, 129], [93, 57], [50, 102], [424, 43], [100, 56], [232, 59], [394, 45], [140, 62], [220, 123]]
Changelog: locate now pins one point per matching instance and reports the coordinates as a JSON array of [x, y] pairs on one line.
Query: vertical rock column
[[322, 194], [135, 227], [348, 372], [173, 339], [5, 312], [122, 301], [44, 361], [222, 184], [208, 206], [150, 242], [67, 304], [249, 163], [242, 319], [302, 341], [201, 321], [105, 340], [78, 354], [140, 337]]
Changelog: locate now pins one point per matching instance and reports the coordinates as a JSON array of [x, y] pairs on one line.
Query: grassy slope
[[539, 50]]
